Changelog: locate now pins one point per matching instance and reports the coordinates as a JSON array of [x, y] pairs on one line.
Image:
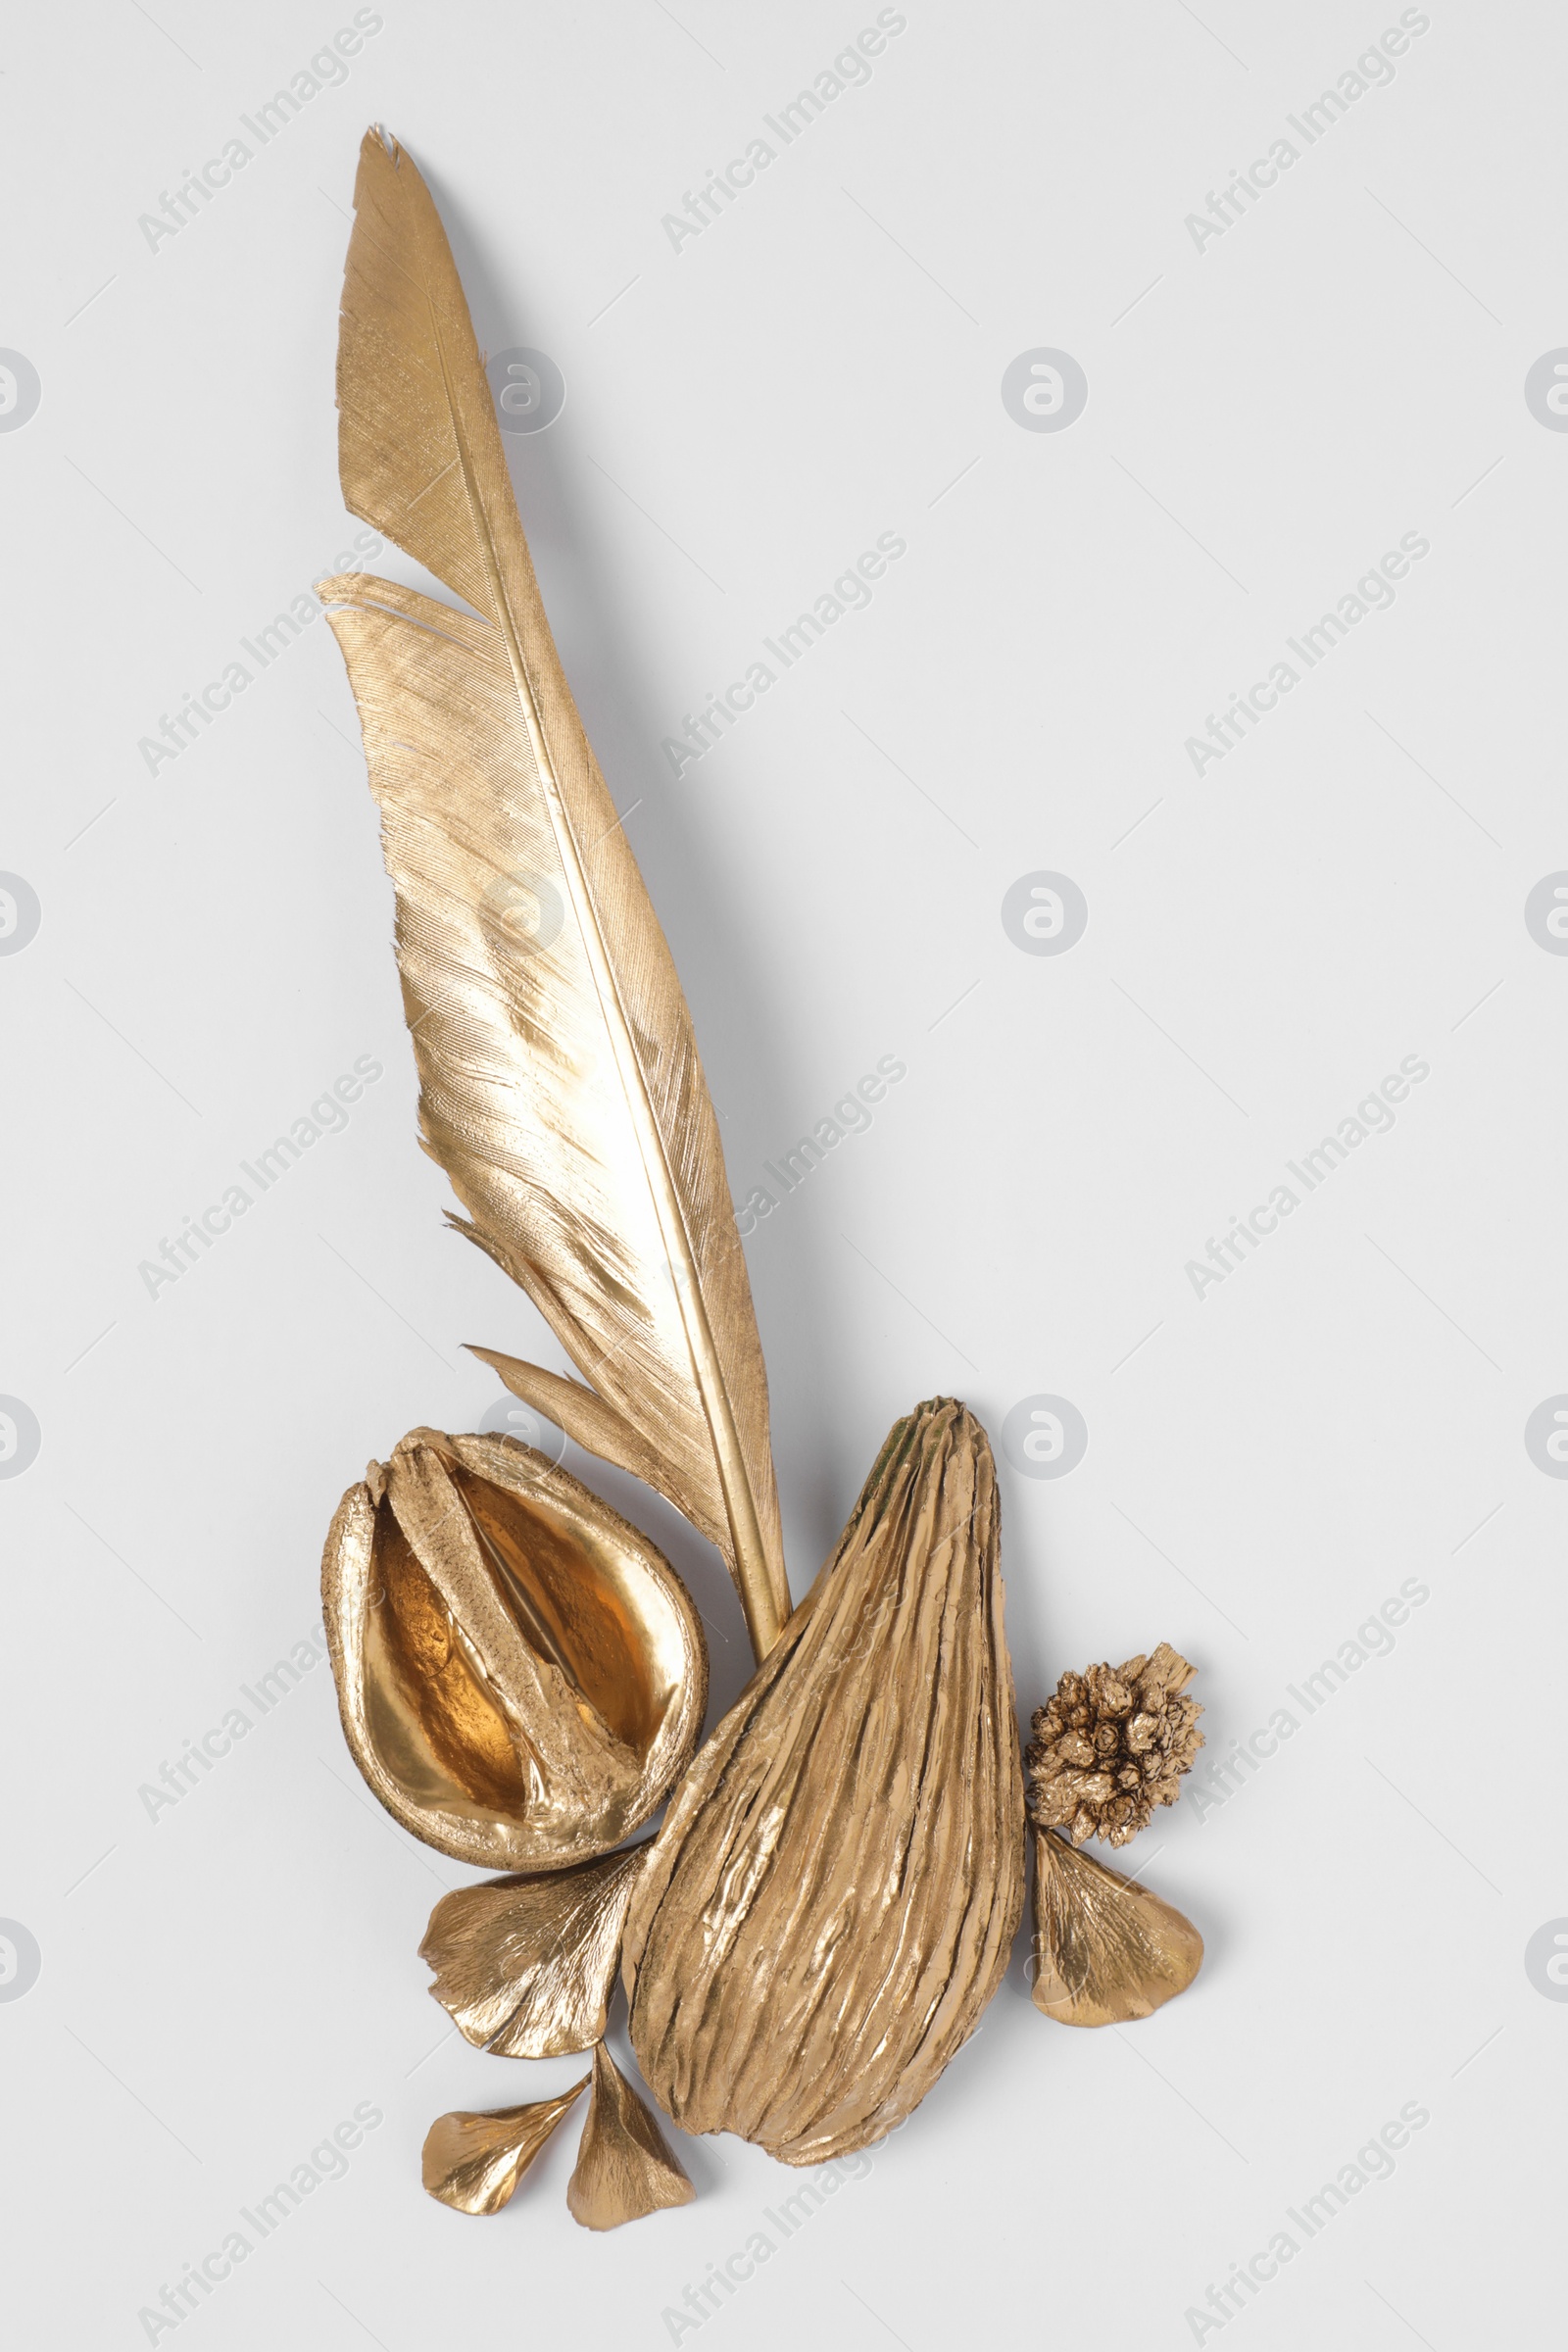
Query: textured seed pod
[[829, 1904], [520, 1673]]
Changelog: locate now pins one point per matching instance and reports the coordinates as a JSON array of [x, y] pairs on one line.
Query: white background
[[1267, 415]]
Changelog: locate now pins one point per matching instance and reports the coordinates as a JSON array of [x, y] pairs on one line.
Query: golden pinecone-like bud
[[1110, 1745]]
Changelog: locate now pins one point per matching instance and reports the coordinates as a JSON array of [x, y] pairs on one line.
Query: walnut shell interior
[[521, 1672]]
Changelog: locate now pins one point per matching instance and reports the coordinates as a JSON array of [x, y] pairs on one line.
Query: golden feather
[[560, 1087]]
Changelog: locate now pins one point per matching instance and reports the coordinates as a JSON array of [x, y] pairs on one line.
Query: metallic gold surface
[[520, 1674], [624, 2166], [829, 1904], [526, 1965], [560, 1085], [1106, 1949], [829, 1907], [473, 2162], [1111, 1744]]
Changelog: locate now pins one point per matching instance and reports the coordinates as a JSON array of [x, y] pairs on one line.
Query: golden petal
[[625, 2165], [829, 1904], [520, 1674], [473, 2162], [526, 1965], [1106, 1949]]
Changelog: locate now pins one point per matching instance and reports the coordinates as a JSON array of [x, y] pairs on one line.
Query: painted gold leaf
[[625, 2165], [829, 1904], [1106, 1950], [520, 1674], [473, 2162], [526, 1965], [560, 1087]]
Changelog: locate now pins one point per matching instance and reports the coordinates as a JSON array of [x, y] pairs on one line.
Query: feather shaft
[[605, 1202]]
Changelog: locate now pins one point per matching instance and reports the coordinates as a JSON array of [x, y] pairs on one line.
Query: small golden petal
[[520, 1674], [528, 1965], [473, 2162], [1106, 1949], [625, 2165]]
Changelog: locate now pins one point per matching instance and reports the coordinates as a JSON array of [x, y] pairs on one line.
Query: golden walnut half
[[520, 1674]]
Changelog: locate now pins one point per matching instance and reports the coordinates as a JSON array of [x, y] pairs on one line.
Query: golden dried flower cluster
[[1110, 1745]]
